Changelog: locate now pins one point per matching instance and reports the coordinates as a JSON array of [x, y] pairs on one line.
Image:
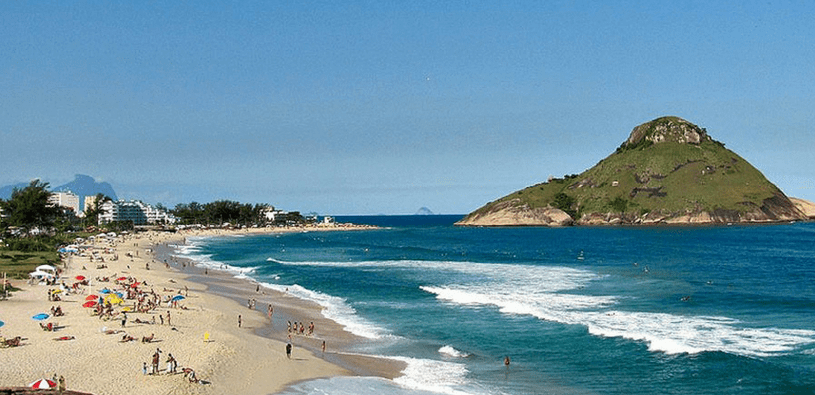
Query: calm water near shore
[[622, 310]]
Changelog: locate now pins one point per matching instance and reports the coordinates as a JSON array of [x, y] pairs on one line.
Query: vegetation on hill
[[666, 169]]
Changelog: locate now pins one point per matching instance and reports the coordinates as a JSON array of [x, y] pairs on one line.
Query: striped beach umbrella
[[43, 384]]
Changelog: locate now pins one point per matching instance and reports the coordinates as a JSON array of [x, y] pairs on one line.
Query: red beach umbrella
[[90, 303], [43, 384], [91, 297], [80, 278]]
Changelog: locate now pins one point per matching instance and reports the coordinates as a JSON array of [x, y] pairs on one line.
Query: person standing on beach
[[288, 350], [168, 318], [155, 361], [239, 320]]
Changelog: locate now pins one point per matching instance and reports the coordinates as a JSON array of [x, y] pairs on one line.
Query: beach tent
[[41, 275], [46, 268]]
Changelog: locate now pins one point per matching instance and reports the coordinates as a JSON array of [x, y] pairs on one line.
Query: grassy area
[[18, 264]]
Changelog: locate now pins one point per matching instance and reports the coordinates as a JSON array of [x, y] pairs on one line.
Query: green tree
[[28, 208]]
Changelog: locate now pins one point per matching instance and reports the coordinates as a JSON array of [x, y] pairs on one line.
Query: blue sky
[[384, 107]]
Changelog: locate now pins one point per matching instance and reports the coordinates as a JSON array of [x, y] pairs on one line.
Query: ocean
[[578, 310]]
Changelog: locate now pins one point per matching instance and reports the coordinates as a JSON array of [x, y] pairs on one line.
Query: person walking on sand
[[239, 320], [168, 318], [62, 386], [288, 350]]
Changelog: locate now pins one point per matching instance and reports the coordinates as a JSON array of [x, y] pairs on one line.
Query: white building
[[65, 199], [273, 216], [134, 211]]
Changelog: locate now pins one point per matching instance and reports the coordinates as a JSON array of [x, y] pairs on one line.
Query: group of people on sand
[[172, 367], [298, 328]]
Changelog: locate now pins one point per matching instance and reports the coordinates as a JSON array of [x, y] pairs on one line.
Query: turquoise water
[[702, 310]]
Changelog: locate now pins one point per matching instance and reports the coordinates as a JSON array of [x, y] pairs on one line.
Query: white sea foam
[[434, 376], [543, 292], [452, 352]]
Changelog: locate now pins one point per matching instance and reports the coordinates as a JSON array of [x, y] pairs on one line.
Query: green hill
[[668, 171]]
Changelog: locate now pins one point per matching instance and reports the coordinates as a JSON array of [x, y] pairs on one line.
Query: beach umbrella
[[104, 291], [43, 384], [177, 297], [91, 297], [2, 323], [80, 278], [89, 303]]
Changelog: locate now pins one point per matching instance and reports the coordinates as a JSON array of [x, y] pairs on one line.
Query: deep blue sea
[[579, 310]]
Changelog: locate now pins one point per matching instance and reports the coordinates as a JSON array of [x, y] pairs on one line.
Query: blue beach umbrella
[[40, 317], [177, 297], [104, 291], [2, 323]]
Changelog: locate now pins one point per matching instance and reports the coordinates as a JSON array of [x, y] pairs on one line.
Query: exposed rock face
[[668, 129], [514, 213], [807, 207]]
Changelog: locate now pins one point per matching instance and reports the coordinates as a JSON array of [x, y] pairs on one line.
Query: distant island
[[668, 171], [424, 211]]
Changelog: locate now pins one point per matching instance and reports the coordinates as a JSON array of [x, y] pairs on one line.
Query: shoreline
[[204, 334], [288, 308]]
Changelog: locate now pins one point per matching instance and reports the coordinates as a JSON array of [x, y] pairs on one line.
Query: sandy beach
[[201, 331]]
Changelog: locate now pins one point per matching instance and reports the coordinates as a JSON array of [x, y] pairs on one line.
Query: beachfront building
[[65, 199], [135, 211], [90, 201], [271, 216]]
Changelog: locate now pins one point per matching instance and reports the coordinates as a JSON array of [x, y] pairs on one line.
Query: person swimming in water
[[506, 360]]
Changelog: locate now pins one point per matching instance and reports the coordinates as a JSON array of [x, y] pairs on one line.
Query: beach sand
[[246, 360]]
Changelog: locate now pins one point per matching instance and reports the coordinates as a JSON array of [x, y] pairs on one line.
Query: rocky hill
[[668, 171]]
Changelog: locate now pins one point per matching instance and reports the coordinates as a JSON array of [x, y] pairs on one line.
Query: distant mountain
[[424, 211], [667, 171], [5, 192], [82, 185]]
